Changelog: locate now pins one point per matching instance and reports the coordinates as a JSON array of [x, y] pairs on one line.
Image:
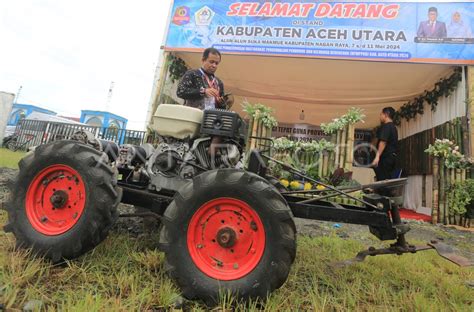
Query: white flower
[[456, 148]]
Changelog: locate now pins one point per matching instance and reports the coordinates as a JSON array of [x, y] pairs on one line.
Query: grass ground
[[126, 274], [9, 158]]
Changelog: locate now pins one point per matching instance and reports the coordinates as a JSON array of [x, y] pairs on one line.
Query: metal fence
[[30, 133]]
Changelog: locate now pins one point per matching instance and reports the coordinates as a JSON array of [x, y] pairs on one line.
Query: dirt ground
[[462, 240]]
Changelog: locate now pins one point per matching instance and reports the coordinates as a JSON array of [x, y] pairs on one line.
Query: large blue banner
[[421, 32]]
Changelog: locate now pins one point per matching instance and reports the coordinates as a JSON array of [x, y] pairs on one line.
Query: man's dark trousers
[[384, 171]]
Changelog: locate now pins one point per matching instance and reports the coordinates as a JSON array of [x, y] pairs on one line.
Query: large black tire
[[280, 235], [102, 197]]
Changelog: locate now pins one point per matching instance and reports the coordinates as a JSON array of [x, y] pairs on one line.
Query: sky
[[66, 53]]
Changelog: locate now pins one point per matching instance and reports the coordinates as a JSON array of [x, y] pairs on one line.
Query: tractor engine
[[176, 160], [184, 150], [168, 158]]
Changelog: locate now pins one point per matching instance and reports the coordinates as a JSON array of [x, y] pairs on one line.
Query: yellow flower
[[295, 185], [284, 182], [320, 187], [307, 186]]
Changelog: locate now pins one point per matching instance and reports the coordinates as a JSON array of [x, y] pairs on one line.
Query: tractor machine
[[225, 223]]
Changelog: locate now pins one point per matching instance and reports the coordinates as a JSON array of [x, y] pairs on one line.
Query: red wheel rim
[[226, 239], [55, 200]]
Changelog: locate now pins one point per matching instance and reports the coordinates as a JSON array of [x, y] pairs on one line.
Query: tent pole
[[350, 147]]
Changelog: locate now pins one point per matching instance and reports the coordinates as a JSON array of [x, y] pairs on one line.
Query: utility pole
[[109, 96], [15, 100]]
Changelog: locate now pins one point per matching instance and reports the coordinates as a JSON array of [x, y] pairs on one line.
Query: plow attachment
[[443, 250]]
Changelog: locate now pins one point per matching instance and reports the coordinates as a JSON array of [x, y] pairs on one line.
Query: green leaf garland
[[354, 115], [260, 112], [443, 88], [177, 68]]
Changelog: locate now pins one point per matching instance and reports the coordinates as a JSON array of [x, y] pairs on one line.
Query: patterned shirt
[[190, 89]]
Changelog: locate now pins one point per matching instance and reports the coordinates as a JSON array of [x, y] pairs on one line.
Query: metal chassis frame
[[377, 212]]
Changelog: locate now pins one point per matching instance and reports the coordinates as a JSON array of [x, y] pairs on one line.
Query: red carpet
[[412, 215]]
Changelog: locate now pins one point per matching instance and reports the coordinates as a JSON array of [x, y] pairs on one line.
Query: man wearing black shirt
[[387, 147], [200, 88]]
